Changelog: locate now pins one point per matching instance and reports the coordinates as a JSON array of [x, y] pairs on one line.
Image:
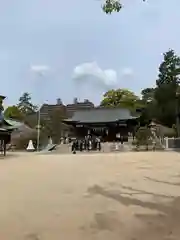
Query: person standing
[[73, 148], [81, 145], [122, 139]]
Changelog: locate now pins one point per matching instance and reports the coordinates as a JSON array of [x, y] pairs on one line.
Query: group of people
[[87, 144]]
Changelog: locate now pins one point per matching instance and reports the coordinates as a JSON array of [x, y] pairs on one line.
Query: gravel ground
[[125, 196]]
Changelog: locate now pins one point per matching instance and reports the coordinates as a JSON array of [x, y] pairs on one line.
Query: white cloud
[[127, 72], [94, 72], [40, 69]]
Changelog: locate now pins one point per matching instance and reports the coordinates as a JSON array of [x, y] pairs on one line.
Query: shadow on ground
[[163, 225]]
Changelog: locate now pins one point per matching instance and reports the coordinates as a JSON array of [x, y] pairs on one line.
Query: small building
[[105, 122], [7, 126]]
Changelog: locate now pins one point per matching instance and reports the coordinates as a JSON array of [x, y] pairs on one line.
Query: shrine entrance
[[108, 123], [107, 132]]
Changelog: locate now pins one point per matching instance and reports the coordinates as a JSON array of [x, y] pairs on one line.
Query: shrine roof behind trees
[[101, 115], [9, 125]]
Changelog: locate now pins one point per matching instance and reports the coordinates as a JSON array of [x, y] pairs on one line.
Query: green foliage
[[14, 113], [1, 104], [143, 135], [161, 102], [25, 105], [167, 87], [147, 94], [111, 6], [120, 98], [169, 69]]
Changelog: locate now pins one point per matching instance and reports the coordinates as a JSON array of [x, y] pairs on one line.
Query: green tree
[[14, 113], [1, 103], [167, 86], [121, 98], [25, 105], [148, 94], [111, 6], [148, 105], [143, 135]]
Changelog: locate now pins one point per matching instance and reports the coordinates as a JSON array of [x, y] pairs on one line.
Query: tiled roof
[[9, 125], [100, 115]]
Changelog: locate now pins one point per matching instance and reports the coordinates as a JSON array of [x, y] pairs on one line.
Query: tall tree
[[25, 105], [120, 98], [167, 86]]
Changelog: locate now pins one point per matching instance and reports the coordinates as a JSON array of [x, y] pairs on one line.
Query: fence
[[172, 143]]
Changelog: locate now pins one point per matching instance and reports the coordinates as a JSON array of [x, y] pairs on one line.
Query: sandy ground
[[126, 196]]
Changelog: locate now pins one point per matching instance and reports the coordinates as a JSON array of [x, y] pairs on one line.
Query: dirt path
[[127, 196]]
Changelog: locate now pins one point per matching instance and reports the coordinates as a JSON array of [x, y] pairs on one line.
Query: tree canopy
[[167, 85], [14, 113], [162, 101], [25, 105], [111, 6], [120, 98]]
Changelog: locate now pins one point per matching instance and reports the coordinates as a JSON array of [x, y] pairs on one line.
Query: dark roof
[[100, 115], [9, 125]]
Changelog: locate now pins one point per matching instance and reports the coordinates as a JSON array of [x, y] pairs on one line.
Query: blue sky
[[68, 49]]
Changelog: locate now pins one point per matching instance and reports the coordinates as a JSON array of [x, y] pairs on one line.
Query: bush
[[142, 135]]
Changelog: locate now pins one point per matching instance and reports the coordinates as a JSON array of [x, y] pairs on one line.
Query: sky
[[65, 49]]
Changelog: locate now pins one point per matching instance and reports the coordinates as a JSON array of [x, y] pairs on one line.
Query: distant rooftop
[[69, 109]]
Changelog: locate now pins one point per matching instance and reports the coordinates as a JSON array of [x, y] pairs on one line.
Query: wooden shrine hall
[[105, 122]]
